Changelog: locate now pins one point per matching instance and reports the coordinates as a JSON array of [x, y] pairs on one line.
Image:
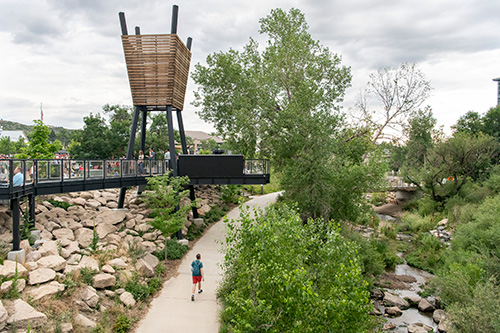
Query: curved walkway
[[173, 310]]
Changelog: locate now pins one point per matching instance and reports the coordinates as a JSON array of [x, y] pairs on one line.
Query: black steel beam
[[14, 204], [175, 14], [123, 23]]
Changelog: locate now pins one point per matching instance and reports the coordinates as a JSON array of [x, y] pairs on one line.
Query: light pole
[[498, 94]]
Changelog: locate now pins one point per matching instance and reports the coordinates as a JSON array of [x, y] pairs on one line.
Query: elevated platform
[[42, 177]]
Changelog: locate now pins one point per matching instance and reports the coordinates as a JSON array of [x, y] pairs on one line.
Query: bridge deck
[[41, 177]]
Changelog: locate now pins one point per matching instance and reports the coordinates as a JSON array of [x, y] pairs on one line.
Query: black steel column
[[171, 141], [14, 204], [130, 151], [31, 204], [143, 128]]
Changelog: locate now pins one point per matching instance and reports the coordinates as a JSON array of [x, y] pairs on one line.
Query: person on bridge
[[197, 273], [18, 178], [141, 161]]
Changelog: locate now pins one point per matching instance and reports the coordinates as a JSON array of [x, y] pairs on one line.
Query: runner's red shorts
[[196, 279]]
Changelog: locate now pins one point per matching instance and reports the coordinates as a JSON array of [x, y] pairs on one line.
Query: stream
[[411, 315]]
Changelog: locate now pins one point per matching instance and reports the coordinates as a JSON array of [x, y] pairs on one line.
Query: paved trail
[[173, 310]]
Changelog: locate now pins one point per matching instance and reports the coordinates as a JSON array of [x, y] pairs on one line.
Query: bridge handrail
[[39, 171]]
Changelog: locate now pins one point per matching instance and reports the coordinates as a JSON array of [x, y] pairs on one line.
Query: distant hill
[[15, 126]]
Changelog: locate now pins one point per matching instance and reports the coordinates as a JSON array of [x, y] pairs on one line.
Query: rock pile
[[441, 232], [89, 235], [391, 305]]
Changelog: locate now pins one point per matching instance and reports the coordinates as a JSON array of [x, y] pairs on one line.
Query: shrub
[[415, 223], [480, 314], [122, 324], [214, 214], [87, 275], [61, 204], [175, 250], [230, 193], [139, 290], [378, 198], [427, 206], [283, 276], [426, 254]]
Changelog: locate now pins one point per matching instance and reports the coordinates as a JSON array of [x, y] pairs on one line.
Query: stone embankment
[[90, 236]]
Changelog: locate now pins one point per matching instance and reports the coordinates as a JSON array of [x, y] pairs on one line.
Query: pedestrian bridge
[[60, 176]]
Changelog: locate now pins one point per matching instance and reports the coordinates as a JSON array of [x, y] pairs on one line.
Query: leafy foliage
[[39, 147], [282, 276], [175, 250], [164, 199]]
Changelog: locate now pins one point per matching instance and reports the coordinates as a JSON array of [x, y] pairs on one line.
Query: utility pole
[[498, 94]]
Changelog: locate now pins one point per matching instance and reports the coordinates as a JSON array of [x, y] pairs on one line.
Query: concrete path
[[173, 310]]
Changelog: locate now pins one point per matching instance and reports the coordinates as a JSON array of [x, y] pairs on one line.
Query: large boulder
[[89, 296], [21, 314], [393, 311], [84, 236], [111, 216], [419, 328], [104, 229], [48, 289], [425, 306], [127, 299], [9, 268], [144, 268], [41, 275], [49, 248], [64, 233], [103, 280], [54, 262], [394, 300], [84, 322]]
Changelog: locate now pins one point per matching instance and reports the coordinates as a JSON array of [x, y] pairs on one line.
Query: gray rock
[[151, 260], [21, 313], [89, 262], [9, 267], [54, 262], [84, 322], [144, 268], [377, 294], [425, 306], [444, 325], [84, 236], [104, 229], [64, 233], [108, 269], [103, 280], [413, 300], [118, 263], [419, 328], [393, 311], [48, 289], [89, 296], [438, 315], [41, 275], [394, 300], [4, 315], [112, 216], [49, 248], [127, 299]]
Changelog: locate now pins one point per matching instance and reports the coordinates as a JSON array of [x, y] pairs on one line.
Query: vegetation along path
[[172, 310]]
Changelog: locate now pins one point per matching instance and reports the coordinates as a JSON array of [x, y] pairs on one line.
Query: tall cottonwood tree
[[283, 103], [398, 93]]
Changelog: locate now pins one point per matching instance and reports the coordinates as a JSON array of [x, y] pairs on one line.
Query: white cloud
[[68, 54]]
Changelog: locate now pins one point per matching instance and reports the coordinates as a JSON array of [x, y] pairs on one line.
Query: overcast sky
[[67, 54]]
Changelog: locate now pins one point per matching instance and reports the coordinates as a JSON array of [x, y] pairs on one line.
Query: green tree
[[491, 122], [119, 124], [469, 123], [11, 147], [455, 162], [283, 276], [39, 147], [283, 103], [92, 140], [165, 195], [420, 132]]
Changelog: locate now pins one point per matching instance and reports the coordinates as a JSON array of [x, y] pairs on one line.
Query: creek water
[[412, 315]]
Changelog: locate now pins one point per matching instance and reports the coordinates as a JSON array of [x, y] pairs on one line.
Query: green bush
[[427, 206], [215, 214], [61, 204], [415, 223], [481, 313], [87, 275], [122, 324], [230, 193], [282, 276], [139, 290], [378, 198], [427, 253], [175, 250]]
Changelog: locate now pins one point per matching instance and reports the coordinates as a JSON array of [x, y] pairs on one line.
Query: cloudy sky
[[67, 54]]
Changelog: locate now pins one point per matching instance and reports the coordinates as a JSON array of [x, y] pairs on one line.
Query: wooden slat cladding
[[158, 69]]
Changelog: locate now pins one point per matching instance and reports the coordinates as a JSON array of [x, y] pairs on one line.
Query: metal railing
[[62, 170], [257, 167]]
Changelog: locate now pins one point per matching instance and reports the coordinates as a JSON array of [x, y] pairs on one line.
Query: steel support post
[[14, 203], [130, 152], [31, 204]]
